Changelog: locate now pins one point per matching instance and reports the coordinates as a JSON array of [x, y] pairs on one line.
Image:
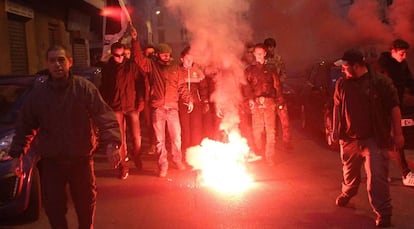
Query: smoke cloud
[[218, 32], [308, 31]]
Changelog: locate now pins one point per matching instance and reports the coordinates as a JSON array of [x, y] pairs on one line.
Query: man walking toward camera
[[394, 65], [366, 109], [61, 111], [167, 86], [118, 88]]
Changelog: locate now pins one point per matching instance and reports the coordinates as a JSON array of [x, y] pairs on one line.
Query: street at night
[[298, 192]]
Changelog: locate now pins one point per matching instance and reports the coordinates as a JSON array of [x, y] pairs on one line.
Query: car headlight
[[5, 143]]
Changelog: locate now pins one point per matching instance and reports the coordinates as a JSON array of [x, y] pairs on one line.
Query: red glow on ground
[[222, 166]]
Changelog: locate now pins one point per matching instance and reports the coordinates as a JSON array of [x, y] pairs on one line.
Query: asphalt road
[[298, 192]]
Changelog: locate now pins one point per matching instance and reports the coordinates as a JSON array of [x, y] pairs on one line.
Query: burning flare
[[222, 166]]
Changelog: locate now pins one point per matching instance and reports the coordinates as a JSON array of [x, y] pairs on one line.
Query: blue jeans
[[131, 118], [161, 117], [354, 154]]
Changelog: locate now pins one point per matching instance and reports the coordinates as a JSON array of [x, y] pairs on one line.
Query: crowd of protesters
[[147, 89]]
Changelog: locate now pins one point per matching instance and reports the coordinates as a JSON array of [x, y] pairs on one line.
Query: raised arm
[[139, 58]]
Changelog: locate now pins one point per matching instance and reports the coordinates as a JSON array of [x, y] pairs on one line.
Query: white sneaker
[[409, 179], [163, 173]]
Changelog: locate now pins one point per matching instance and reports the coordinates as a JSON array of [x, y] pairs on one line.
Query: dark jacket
[[196, 83], [382, 99], [60, 112], [119, 85], [263, 80], [398, 72], [166, 84]]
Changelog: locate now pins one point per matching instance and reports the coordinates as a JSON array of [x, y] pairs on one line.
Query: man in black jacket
[[394, 65], [366, 109], [60, 111], [119, 90]]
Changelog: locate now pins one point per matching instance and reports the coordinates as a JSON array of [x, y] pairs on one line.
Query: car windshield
[[10, 101]]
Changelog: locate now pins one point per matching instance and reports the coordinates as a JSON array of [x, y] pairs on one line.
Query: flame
[[222, 166], [112, 12]]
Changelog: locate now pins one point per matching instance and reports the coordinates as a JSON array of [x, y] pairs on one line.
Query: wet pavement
[[298, 192]]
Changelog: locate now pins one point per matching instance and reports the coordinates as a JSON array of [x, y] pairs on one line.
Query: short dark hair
[[185, 51], [57, 48], [117, 45], [400, 44], [269, 42], [149, 46]]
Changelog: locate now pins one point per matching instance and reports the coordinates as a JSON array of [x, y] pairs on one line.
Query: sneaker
[[253, 157], [408, 180], [180, 165], [123, 173], [152, 150], [383, 221], [163, 173], [342, 200]]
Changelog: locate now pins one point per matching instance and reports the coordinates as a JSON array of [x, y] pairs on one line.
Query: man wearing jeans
[[118, 88], [366, 109], [166, 87]]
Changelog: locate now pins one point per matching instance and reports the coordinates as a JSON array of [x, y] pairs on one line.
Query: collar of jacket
[[59, 84]]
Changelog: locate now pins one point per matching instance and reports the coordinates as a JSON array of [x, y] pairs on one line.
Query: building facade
[[29, 27]]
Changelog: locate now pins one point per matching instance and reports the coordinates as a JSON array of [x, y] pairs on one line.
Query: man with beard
[[366, 111], [166, 88]]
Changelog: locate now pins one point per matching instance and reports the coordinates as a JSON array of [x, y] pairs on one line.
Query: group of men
[[63, 110], [367, 124]]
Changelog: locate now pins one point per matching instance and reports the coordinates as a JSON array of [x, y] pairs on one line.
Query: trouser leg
[[54, 182], [402, 162], [174, 131], [122, 126], [185, 127], [352, 161], [258, 127], [83, 191], [376, 167], [284, 121], [270, 128], [158, 122], [135, 127]]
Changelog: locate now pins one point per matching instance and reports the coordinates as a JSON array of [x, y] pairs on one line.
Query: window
[[18, 46], [53, 34]]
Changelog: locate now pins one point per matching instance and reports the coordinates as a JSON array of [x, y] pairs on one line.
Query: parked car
[[317, 97], [21, 196], [18, 195], [317, 102]]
